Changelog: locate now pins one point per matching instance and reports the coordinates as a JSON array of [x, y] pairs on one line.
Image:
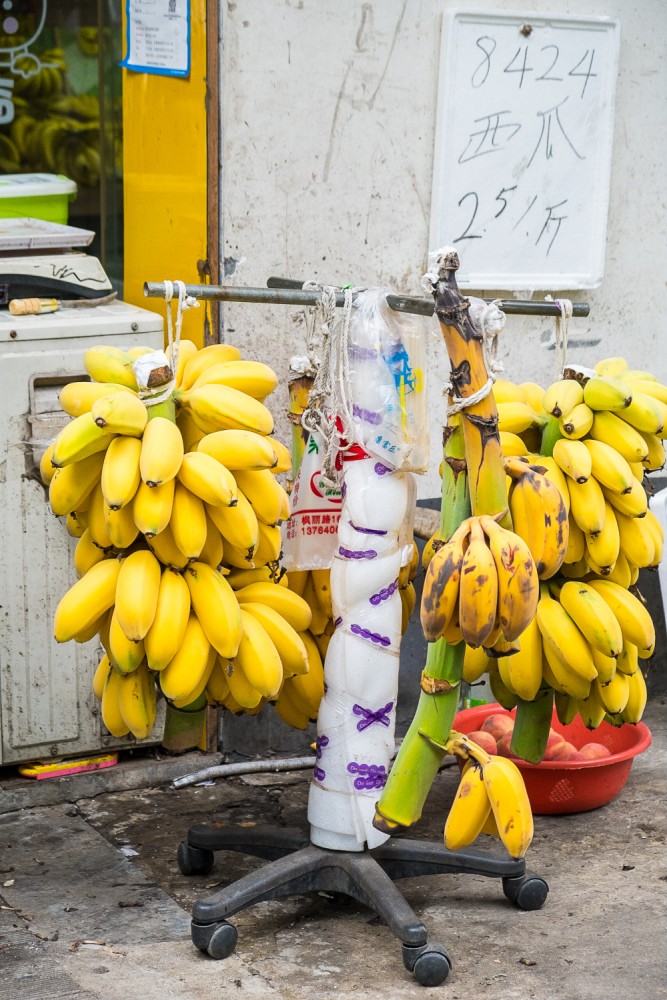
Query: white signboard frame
[[523, 147]]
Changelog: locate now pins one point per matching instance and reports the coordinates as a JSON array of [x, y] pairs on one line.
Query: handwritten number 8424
[[518, 65]]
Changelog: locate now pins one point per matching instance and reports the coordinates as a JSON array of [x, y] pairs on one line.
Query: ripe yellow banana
[[76, 398], [522, 671], [213, 551], [576, 543], [609, 467], [191, 433], [208, 479], [408, 597], [291, 647], [161, 451], [518, 584], [653, 526], [77, 440], [288, 604], [111, 714], [469, 810], [608, 428], [120, 526], [587, 504], [188, 521], [621, 572], [269, 544], [655, 453], [562, 396], [137, 702], [593, 616], [591, 709], [252, 377], [478, 589], [187, 699], [645, 414], [86, 600], [628, 660], [219, 408], [440, 595], [562, 636], [238, 525], [611, 366], [164, 637], [217, 607], [197, 362], [475, 663], [238, 578], [96, 520], [577, 423], [110, 364], [605, 666], [186, 350], [635, 621], [46, 468], [512, 444], [613, 694], [100, 676], [241, 690], [71, 485], [516, 417], [186, 668], [603, 548], [166, 549], [505, 391], [152, 507], [217, 686], [291, 714], [239, 449], [637, 697], [264, 492], [258, 657], [283, 454], [574, 459], [322, 585], [137, 592], [634, 503], [120, 413], [86, 554], [308, 689], [509, 804], [607, 392], [120, 476], [636, 539]]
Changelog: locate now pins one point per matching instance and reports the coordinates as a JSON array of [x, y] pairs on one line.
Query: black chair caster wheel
[[218, 940], [526, 892], [194, 860], [430, 964]]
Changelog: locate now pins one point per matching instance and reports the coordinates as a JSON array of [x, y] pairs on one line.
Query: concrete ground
[[93, 905]]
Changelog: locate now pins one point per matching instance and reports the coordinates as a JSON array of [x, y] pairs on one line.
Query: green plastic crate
[[36, 196]]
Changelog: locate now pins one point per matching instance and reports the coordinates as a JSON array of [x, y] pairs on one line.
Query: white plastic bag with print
[[312, 528], [386, 354]]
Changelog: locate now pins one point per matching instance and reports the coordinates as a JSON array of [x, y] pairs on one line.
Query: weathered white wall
[[328, 131]]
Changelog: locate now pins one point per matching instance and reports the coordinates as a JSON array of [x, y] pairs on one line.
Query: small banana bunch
[[177, 519], [491, 798], [480, 587]]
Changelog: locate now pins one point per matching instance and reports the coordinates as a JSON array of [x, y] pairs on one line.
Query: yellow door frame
[[171, 176]]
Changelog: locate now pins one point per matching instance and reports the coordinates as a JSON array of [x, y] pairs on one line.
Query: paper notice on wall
[[158, 37]]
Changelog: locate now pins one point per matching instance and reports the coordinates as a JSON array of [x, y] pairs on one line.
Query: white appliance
[[47, 707]]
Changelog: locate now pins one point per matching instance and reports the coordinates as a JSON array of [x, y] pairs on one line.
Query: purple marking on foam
[[368, 415], [370, 717], [364, 633], [338, 621], [343, 491], [319, 774], [371, 776], [356, 554], [380, 469], [384, 594], [367, 531], [320, 744]]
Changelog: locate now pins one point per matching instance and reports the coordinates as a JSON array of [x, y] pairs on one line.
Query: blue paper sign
[[158, 37]]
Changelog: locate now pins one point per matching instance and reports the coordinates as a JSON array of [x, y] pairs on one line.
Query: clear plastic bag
[[386, 356]]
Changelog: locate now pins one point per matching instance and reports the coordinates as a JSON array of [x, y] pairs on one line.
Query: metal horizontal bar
[[293, 294]]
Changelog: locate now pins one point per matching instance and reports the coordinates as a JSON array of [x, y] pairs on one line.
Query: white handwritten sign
[[523, 148]]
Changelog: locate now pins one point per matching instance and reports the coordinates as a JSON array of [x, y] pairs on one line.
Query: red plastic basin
[[564, 786]]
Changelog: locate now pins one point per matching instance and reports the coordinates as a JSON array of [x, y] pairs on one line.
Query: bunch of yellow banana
[[481, 585], [491, 798], [539, 514], [179, 542]]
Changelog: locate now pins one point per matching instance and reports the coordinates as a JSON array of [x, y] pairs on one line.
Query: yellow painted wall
[[164, 177]]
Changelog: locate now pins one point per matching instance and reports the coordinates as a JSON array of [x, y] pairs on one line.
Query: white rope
[[561, 329], [184, 302]]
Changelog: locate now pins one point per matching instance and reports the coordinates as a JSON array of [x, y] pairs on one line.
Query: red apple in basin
[[498, 724]]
